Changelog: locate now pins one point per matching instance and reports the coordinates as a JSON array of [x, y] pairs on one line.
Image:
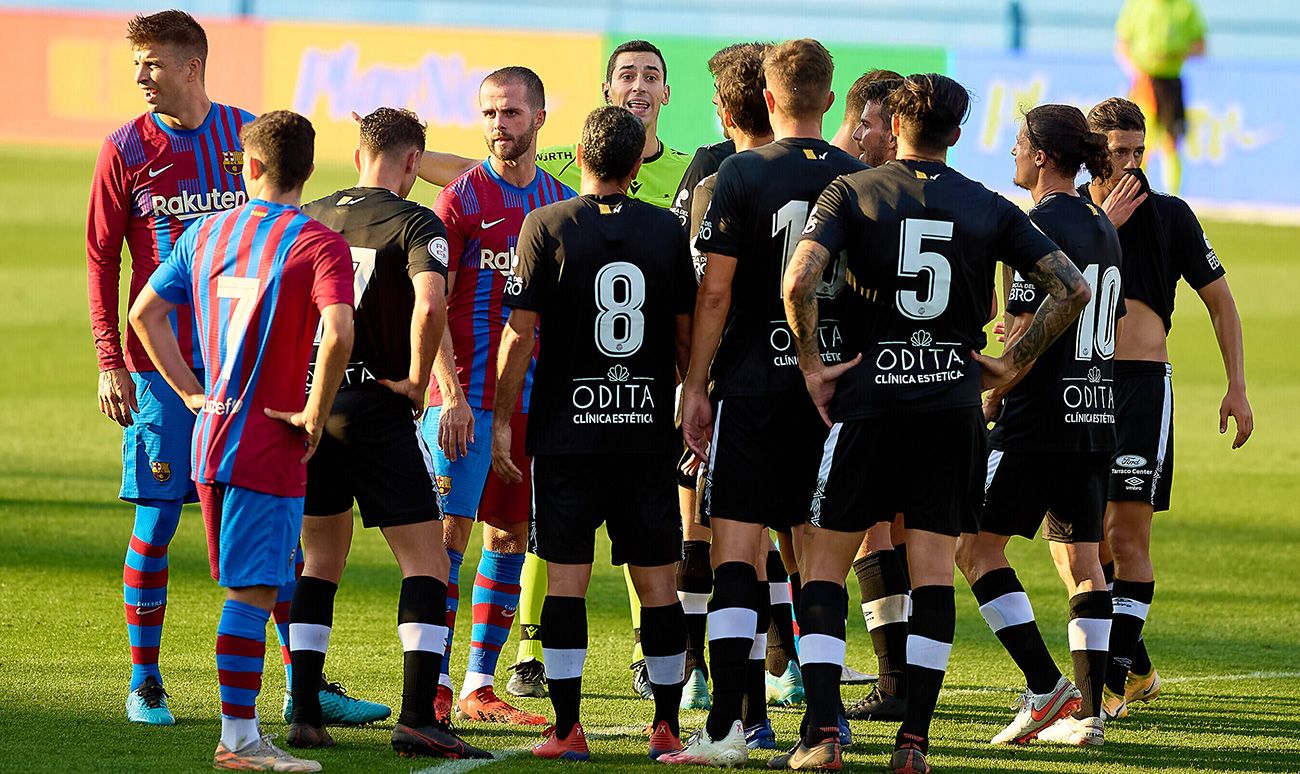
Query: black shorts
[[928, 466], [1171, 111], [372, 451], [1143, 466], [635, 495], [1069, 487], [763, 460]]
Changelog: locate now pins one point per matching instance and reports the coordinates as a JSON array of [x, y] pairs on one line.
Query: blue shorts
[[467, 486], [156, 448], [251, 535]]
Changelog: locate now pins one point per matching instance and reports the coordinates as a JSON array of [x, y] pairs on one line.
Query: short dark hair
[[726, 57], [801, 70], [740, 82], [1117, 113], [1061, 132], [856, 100], [930, 107], [391, 130], [635, 47], [612, 141], [286, 143], [175, 28], [523, 76]]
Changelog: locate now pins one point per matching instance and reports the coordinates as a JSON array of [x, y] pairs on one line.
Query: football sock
[[1005, 607], [694, 585], [496, 598], [280, 614], [664, 630], [753, 710], [929, 643], [732, 623], [1089, 631], [564, 625], [241, 650], [423, 633], [454, 559], [1132, 601], [884, 608], [821, 651], [634, 606], [780, 633], [796, 589], [532, 592], [1141, 659], [144, 584], [311, 617]]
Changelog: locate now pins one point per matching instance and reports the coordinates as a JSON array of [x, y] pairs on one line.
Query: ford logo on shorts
[[1130, 461]]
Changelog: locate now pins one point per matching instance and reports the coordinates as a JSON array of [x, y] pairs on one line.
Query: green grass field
[[1223, 631]]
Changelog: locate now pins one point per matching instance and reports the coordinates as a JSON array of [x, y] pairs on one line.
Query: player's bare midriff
[[1141, 334]]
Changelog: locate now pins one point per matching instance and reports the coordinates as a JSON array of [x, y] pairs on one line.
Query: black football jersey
[[608, 276], [1162, 241], [1067, 401], [927, 240], [392, 240], [761, 200], [706, 161]]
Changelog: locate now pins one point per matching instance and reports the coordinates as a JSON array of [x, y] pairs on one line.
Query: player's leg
[[326, 540], [252, 538], [753, 709], [1089, 637], [694, 585], [640, 681], [733, 617], [665, 651], [156, 478], [882, 583], [528, 675], [280, 617], [1128, 533], [456, 530]]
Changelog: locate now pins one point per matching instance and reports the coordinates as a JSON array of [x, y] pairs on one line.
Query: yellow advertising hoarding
[[326, 71]]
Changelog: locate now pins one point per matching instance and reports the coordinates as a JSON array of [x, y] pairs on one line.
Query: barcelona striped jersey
[[483, 214], [151, 181], [257, 277]]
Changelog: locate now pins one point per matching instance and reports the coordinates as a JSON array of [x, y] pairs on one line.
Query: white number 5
[[912, 261]]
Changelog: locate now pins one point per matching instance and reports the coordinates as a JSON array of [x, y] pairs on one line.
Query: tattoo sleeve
[[1067, 293], [801, 278]]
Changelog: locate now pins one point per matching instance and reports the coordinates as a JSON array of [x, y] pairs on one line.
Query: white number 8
[[620, 293]]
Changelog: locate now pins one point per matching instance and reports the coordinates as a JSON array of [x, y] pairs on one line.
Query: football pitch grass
[[1223, 631]]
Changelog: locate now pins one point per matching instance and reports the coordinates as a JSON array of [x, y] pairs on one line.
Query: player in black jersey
[[1051, 446], [907, 434], [855, 105], [764, 429], [609, 280], [371, 450], [1162, 241]]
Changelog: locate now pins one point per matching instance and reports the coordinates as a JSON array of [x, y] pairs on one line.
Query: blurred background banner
[[1243, 122]]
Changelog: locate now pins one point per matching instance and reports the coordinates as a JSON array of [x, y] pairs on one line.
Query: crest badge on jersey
[[162, 471], [233, 162]]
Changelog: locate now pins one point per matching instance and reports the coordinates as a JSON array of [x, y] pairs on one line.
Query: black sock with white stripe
[[1006, 608], [1132, 601], [663, 640], [1141, 659], [780, 633], [564, 651], [884, 608], [929, 644], [421, 626], [732, 622], [754, 709], [821, 648], [1089, 633], [694, 585], [311, 618]]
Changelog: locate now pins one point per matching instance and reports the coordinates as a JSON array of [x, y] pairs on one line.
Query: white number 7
[[244, 291]]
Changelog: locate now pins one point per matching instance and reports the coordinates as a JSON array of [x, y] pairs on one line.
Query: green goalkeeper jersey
[[655, 184]]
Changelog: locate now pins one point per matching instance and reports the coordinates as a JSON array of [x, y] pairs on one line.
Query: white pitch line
[[469, 764]]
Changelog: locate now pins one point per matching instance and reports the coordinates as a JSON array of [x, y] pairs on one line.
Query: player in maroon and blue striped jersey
[[260, 278], [483, 210], [178, 161]]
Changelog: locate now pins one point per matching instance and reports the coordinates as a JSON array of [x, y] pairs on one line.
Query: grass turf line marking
[[469, 764]]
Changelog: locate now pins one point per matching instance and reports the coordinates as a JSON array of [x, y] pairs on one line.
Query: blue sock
[[496, 597], [283, 597], [144, 584], [241, 651], [455, 558]]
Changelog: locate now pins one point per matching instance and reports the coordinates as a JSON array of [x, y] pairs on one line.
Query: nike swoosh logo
[[1037, 715], [157, 172], [486, 224]]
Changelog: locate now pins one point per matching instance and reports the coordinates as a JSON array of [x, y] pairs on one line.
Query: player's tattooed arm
[[800, 289], [517, 342], [1067, 294]]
